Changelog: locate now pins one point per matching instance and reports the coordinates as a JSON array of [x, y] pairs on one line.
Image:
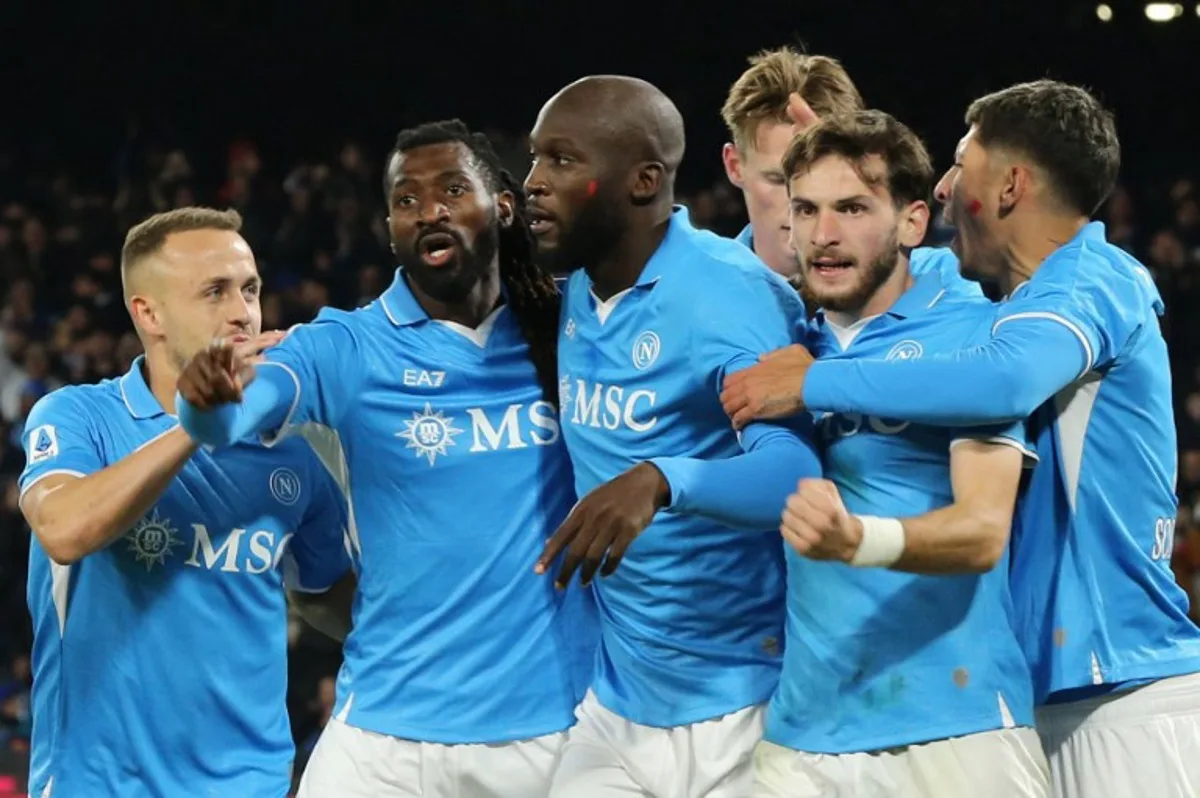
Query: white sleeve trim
[[1001, 440], [68, 471], [1088, 354], [282, 432]]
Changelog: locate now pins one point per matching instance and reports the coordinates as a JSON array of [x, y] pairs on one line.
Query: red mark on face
[[591, 188], [974, 207]]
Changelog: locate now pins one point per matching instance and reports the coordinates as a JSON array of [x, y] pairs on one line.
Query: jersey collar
[[679, 228], [399, 304], [920, 297], [746, 238], [139, 401]]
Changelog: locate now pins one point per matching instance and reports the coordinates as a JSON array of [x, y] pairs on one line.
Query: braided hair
[[531, 291]]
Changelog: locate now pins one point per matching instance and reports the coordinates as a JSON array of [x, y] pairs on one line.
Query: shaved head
[[631, 115]]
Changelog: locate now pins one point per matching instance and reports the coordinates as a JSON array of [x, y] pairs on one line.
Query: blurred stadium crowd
[[317, 229]]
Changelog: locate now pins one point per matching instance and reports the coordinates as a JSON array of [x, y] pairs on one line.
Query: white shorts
[[1007, 763], [607, 756], [349, 762], [1139, 744]]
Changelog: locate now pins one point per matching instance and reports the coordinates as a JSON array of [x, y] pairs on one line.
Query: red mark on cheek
[[591, 188], [974, 207]]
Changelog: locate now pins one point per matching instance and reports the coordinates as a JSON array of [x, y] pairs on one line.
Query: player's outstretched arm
[[74, 515], [221, 398], [968, 536]]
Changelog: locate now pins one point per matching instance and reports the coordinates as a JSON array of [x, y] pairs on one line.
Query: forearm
[[330, 613], [265, 405], [1004, 380], [748, 491], [955, 539], [79, 516]]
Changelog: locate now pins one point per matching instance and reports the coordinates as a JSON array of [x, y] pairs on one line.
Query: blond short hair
[[148, 236], [761, 93]]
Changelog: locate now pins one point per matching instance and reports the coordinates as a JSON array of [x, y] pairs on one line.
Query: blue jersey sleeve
[[59, 438], [310, 377], [323, 359], [733, 325], [1024, 364], [318, 555]]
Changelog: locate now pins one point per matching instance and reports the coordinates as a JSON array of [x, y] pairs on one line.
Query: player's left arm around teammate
[[967, 536]]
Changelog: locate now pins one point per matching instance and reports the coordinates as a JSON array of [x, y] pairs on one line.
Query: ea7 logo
[[420, 378]]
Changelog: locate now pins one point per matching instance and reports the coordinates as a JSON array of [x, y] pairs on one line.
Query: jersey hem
[[979, 724], [1151, 671], [698, 714], [426, 734]]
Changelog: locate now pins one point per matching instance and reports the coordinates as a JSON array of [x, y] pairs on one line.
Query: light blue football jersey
[[692, 620], [160, 661], [877, 658], [457, 474], [1096, 601]]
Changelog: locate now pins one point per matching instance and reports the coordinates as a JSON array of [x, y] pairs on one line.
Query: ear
[[146, 314], [733, 165], [913, 222], [647, 181], [506, 208], [1016, 182]]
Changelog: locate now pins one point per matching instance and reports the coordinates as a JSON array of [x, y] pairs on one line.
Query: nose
[[434, 212], [941, 192], [535, 181], [239, 311], [826, 231]]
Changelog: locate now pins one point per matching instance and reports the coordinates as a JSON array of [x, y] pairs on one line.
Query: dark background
[[284, 110]]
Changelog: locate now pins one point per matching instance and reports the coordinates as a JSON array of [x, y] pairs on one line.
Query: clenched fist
[[218, 374], [817, 525]]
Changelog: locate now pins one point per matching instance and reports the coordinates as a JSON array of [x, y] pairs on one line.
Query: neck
[[1032, 243], [469, 312], [625, 262], [162, 375], [885, 296]]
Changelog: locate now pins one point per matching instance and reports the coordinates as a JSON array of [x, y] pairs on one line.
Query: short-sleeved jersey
[[160, 661], [877, 658], [456, 472]]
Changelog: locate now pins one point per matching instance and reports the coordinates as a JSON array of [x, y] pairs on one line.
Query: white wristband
[[882, 542]]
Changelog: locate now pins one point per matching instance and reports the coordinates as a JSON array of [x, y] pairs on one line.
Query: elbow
[[990, 545], [62, 546]]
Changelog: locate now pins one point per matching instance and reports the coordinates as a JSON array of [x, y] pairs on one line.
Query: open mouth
[[539, 220], [830, 266], [436, 249]]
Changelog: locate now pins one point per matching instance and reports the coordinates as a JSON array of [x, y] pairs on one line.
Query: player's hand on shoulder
[[772, 388], [817, 525], [218, 374], [604, 523]]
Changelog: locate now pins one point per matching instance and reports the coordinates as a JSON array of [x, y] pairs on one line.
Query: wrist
[[658, 481], [882, 542]]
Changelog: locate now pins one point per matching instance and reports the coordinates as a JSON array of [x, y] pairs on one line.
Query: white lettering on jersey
[[835, 426], [420, 378], [487, 438], [1164, 539], [609, 406], [264, 552], [43, 443]]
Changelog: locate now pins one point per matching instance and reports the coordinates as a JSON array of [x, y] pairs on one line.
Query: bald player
[[655, 315], [781, 93], [157, 568]]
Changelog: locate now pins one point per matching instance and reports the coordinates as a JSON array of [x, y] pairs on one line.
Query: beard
[[870, 278], [453, 282], [590, 235]]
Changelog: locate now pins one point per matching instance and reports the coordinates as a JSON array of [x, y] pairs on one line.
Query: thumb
[[801, 113]]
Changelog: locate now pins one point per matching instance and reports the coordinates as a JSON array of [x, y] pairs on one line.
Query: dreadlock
[[531, 292]]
